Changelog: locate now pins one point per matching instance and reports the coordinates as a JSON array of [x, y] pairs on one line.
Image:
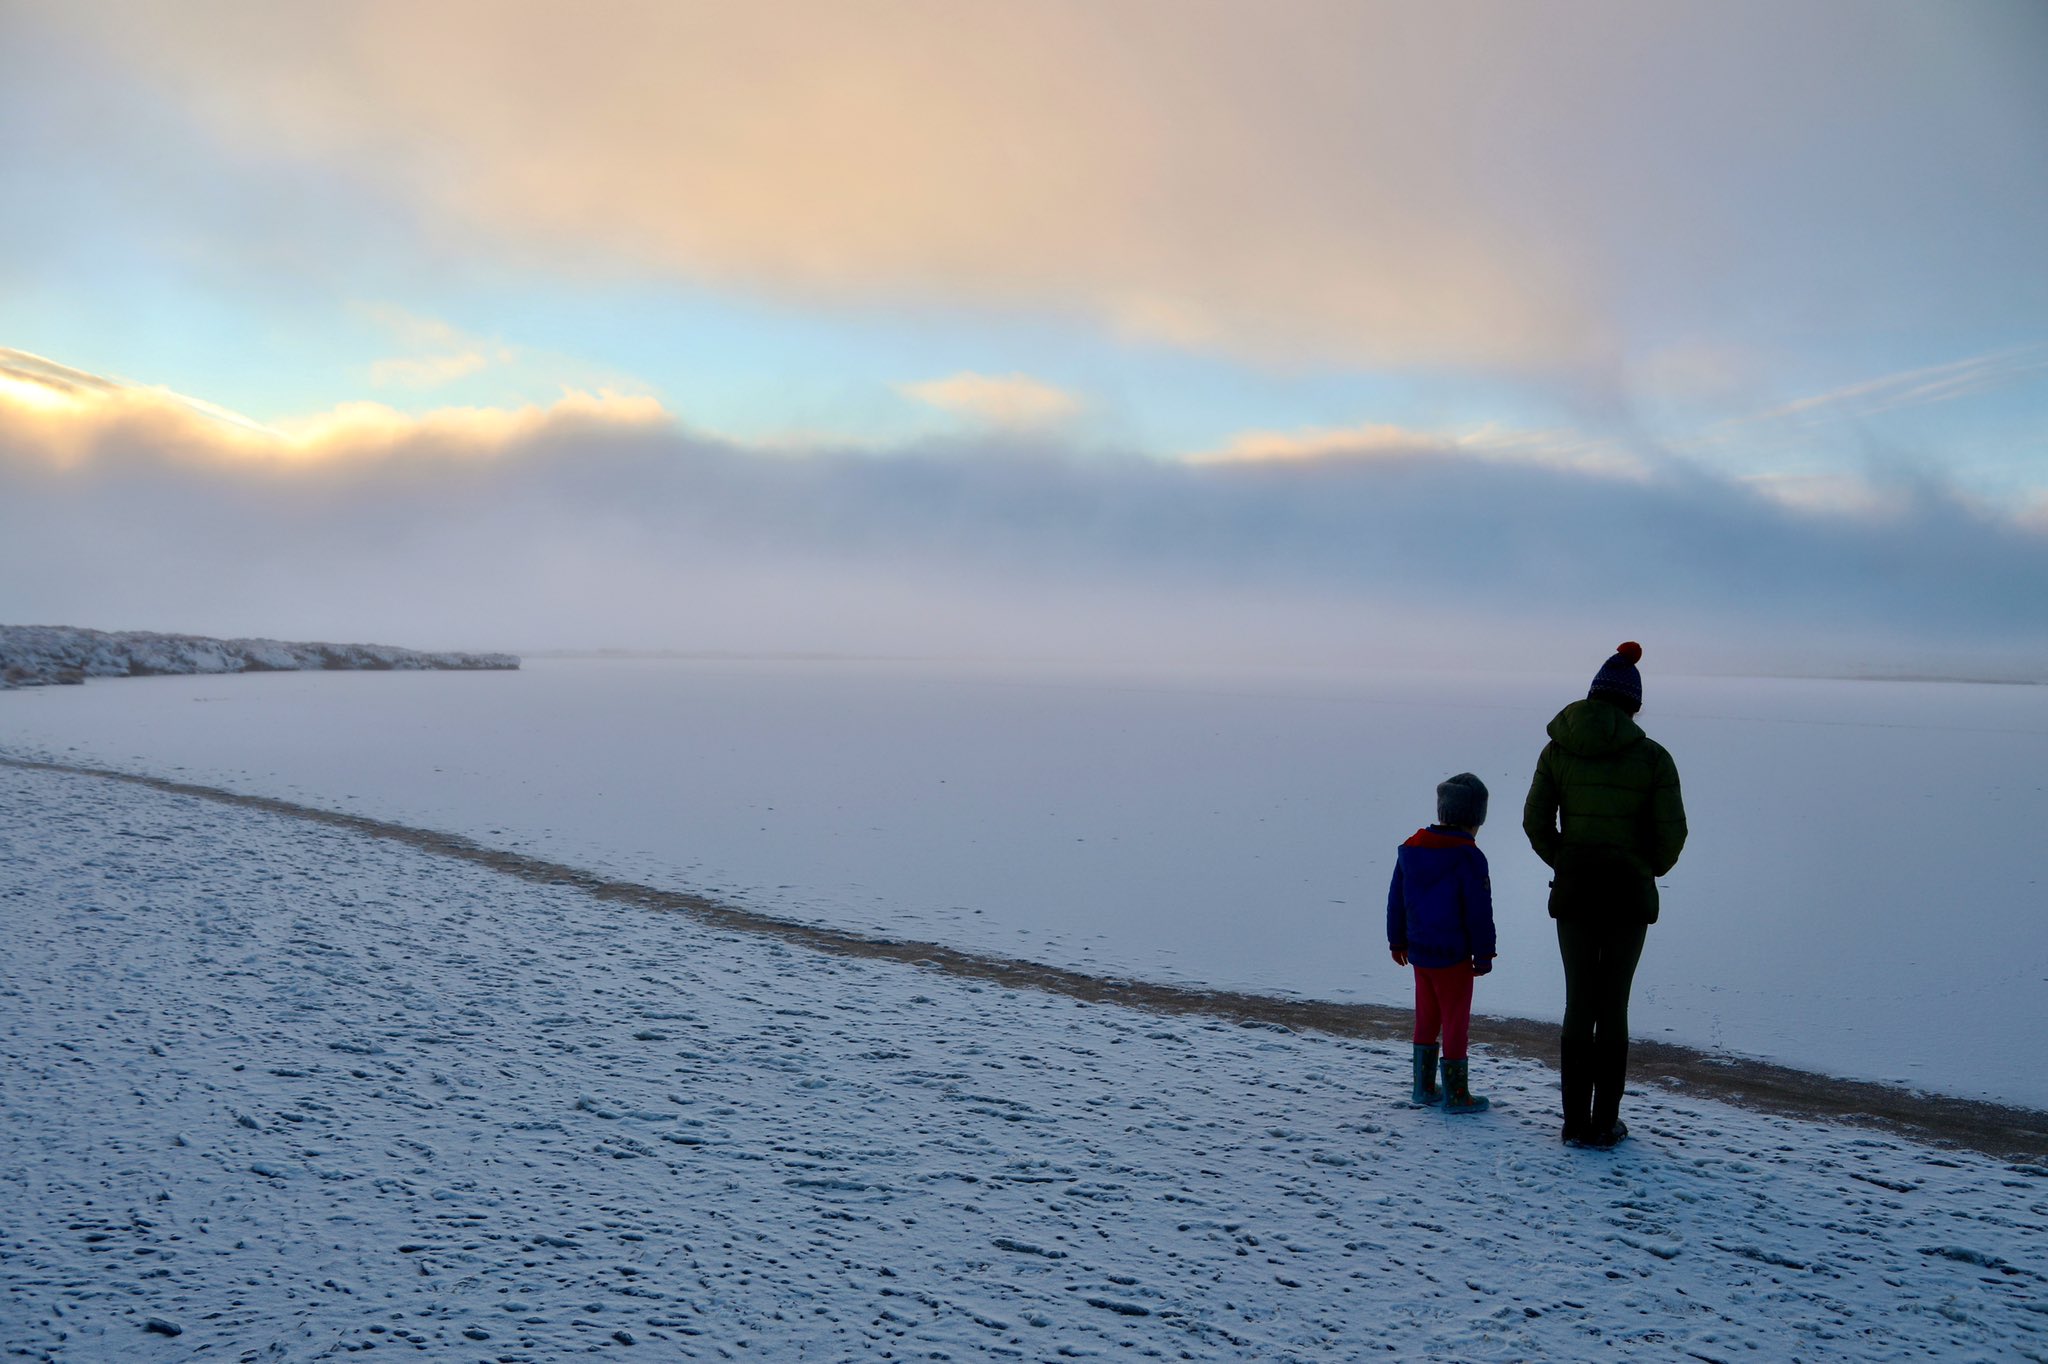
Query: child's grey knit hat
[[1461, 800]]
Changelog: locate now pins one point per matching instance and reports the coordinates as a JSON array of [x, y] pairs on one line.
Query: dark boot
[[1610, 1136], [1610, 1076], [1426, 1092], [1458, 1096], [1575, 1076]]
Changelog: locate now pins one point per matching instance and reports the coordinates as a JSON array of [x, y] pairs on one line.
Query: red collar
[[1439, 838]]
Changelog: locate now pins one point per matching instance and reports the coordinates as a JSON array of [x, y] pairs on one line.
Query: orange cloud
[[1007, 400], [1565, 450], [1371, 438], [1291, 183], [66, 417]]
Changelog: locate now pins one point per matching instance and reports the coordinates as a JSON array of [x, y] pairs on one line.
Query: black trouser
[[1600, 959]]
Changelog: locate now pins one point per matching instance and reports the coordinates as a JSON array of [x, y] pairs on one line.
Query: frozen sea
[[1862, 894]]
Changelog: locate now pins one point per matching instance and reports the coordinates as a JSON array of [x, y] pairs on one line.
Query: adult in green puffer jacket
[[1604, 812]]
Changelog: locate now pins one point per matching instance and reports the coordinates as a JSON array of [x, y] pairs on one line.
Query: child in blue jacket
[[1440, 921]]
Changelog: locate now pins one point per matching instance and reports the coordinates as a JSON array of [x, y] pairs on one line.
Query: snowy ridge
[[276, 1090], [40, 655]]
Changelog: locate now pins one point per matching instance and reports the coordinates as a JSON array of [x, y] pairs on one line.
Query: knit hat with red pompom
[[1618, 681]]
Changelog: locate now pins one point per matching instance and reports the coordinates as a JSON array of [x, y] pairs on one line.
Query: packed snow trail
[[275, 1090]]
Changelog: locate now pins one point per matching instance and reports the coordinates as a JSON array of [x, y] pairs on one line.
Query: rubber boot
[[1426, 1092], [1610, 1077], [1575, 1078], [1458, 1096]]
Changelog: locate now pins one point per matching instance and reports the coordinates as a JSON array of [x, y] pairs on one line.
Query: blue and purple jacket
[[1440, 905]]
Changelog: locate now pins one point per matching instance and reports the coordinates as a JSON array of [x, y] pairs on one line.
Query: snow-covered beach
[[291, 1093]]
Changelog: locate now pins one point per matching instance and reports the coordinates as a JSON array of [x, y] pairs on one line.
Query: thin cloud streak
[[1917, 387]]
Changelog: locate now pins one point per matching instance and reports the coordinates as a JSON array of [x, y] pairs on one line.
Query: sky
[[1310, 332]]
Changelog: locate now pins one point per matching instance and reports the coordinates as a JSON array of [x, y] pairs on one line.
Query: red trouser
[[1443, 999]]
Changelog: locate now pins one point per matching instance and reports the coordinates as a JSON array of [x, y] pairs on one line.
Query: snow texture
[[40, 655], [276, 1091]]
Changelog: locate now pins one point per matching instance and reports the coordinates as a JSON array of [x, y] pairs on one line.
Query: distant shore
[[66, 655]]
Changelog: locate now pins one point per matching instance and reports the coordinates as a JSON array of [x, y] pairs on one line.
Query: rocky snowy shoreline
[[47, 655]]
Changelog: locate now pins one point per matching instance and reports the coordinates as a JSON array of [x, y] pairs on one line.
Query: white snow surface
[[293, 1093], [1861, 895]]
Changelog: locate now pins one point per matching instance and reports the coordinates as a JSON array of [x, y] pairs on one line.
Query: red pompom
[[1631, 651]]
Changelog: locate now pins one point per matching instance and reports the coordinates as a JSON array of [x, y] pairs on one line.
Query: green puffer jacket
[[1604, 811]]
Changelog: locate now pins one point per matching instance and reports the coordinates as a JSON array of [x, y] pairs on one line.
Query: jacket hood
[[1594, 729]]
